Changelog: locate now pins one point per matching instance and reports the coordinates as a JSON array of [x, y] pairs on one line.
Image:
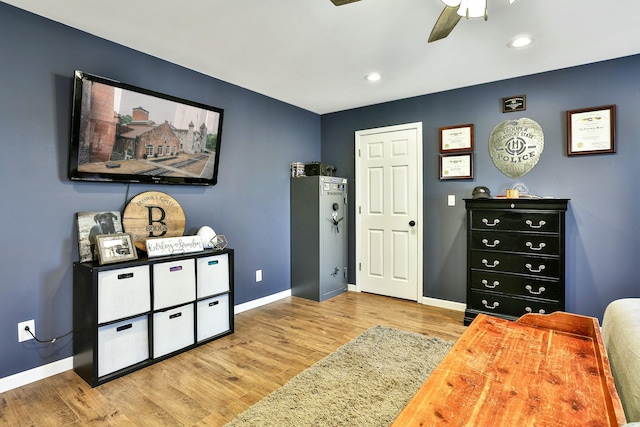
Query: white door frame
[[419, 216]]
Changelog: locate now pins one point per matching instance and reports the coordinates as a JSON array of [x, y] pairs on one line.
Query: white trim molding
[[442, 303], [35, 374]]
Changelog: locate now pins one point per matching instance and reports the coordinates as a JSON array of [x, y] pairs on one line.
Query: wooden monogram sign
[[153, 214]]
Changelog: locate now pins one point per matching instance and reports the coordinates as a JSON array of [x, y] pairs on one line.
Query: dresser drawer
[[528, 243], [515, 285], [506, 305], [542, 222], [514, 263]]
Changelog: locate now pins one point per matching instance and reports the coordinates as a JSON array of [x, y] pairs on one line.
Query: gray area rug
[[366, 382]]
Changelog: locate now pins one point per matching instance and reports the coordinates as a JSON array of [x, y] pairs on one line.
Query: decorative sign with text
[[515, 146], [174, 245], [151, 215]]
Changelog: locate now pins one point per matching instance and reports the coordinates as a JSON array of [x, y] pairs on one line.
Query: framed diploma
[[456, 166], [456, 138], [591, 130]]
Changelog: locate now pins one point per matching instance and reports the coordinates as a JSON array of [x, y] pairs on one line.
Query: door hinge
[[359, 209], [359, 266]]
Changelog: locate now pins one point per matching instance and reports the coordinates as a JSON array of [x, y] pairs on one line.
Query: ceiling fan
[[453, 11]]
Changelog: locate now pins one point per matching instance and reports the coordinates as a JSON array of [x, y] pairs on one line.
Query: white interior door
[[389, 211]]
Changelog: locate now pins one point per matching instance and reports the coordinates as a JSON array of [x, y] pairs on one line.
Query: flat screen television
[[123, 133]]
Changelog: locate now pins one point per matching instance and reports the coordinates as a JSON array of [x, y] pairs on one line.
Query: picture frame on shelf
[[456, 138], [115, 248], [591, 130], [456, 166], [91, 224]]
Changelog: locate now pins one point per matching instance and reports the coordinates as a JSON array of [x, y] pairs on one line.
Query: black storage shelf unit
[[129, 315]]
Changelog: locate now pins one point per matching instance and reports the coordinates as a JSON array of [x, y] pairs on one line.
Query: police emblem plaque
[[515, 146]]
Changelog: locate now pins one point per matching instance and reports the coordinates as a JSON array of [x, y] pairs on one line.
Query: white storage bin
[[124, 292], [173, 329], [122, 344], [213, 275], [213, 316], [174, 283]]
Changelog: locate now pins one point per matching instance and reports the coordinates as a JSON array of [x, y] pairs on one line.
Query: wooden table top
[[542, 370]]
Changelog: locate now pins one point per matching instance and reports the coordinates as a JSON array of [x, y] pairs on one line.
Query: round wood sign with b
[[151, 215]]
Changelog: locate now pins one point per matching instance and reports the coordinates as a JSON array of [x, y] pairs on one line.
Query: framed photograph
[[456, 166], [456, 138], [591, 130], [91, 224], [115, 248], [514, 103]]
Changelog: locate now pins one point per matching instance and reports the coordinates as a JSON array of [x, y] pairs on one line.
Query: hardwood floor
[[211, 384]]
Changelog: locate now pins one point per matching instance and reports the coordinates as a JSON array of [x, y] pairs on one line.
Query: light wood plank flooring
[[211, 384]]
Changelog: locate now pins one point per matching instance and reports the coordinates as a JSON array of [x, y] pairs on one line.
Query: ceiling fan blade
[[341, 2], [445, 23]]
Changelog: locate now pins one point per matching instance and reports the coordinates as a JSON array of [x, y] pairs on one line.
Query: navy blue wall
[[250, 204], [602, 241]]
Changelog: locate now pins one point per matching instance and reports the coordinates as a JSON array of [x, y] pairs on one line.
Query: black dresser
[[515, 257]]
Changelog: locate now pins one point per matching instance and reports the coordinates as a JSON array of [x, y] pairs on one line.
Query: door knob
[[412, 223]]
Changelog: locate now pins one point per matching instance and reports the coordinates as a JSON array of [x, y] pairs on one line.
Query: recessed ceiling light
[[372, 77], [520, 41]]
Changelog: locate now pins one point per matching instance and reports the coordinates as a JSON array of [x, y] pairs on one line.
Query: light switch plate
[[451, 200]]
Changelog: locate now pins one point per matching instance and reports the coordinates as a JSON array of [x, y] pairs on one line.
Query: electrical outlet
[[24, 335], [258, 275]]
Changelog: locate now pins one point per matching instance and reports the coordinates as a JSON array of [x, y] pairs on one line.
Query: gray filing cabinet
[[318, 237]]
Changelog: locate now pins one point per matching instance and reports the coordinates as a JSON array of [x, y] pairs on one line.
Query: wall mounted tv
[[123, 133]]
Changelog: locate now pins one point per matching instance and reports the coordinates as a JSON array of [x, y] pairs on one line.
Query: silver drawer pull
[[491, 245], [530, 268], [541, 289], [494, 265], [540, 224], [486, 284], [490, 307], [539, 248], [493, 224], [530, 310]]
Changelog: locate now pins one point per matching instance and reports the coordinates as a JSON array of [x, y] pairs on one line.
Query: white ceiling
[[315, 55]]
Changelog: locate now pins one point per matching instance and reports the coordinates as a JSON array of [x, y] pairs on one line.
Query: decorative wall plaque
[[514, 103], [515, 146], [153, 214]]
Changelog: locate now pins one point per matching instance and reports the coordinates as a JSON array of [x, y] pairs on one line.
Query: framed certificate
[[456, 166], [591, 130], [456, 138]]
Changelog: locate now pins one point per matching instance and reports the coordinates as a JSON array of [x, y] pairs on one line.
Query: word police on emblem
[[515, 146]]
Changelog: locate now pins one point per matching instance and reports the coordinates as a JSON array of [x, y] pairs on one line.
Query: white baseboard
[[41, 372], [35, 374], [442, 303], [261, 301]]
